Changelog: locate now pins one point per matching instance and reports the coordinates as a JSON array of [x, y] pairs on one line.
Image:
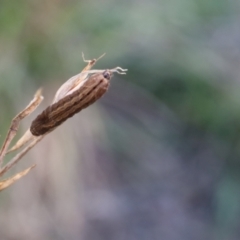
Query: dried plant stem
[[7, 182], [15, 123], [27, 137], [14, 160]]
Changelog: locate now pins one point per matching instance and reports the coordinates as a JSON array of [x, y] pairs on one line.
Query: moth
[[74, 95]]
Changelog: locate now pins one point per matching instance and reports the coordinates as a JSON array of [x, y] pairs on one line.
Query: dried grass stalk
[[7, 182], [15, 122], [19, 156]]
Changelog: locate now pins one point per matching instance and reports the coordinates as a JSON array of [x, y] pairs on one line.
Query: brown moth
[[75, 94], [89, 90], [71, 104]]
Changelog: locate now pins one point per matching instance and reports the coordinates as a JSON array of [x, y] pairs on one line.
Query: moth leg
[[91, 63]]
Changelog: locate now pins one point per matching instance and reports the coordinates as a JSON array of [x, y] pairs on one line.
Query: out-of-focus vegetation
[[159, 156]]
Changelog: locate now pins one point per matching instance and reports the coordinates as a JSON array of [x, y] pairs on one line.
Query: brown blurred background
[[158, 157]]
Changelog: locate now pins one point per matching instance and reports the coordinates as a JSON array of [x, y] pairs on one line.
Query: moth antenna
[[100, 57], [93, 60], [119, 70], [87, 61]]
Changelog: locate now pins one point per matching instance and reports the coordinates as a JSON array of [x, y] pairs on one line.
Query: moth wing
[[68, 86]]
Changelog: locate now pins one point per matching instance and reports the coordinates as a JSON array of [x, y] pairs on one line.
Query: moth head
[[107, 74]]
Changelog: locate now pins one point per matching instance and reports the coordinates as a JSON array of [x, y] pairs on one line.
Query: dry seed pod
[[57, 113]]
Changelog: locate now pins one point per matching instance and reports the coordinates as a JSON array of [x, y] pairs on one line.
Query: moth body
[[54, 115]]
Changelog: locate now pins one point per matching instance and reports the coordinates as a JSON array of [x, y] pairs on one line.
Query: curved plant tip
[[8, 182]]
